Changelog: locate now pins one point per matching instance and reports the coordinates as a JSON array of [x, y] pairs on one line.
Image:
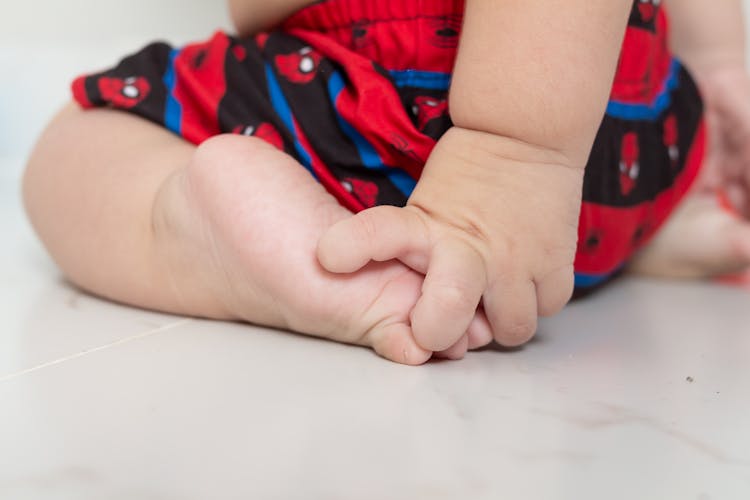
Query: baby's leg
[[701, 239], [227, 230]]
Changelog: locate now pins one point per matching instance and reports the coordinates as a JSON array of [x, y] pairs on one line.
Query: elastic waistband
[[333, 15]]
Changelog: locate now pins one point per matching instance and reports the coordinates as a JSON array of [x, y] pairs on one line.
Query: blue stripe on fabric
[[172, 109], [369, 156], [403, 181], [589, 280], [280, 104], [650, 112], [421, 79]]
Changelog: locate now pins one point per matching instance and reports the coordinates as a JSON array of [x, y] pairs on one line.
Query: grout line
[[169, 326]]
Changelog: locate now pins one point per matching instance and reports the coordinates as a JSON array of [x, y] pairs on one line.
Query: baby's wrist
[[500, 149], [471, 171]]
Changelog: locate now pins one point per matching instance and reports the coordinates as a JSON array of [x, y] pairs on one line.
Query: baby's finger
[[451, 293], [511, 308], [480, 332], [478, 335], [456, 351], [554, 291], [380, 233]]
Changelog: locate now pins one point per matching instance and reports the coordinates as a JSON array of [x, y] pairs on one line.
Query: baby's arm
[[494, 216], [538, 72], [251, 16]]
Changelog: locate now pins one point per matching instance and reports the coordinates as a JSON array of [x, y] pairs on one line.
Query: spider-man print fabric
[[357, 92]]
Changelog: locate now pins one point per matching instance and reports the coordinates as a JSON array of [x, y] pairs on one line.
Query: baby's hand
[[726, 90], [491, 220]]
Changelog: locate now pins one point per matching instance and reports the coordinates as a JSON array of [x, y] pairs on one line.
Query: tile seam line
[[124, 340]]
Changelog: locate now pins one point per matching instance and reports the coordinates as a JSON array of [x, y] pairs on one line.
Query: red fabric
[[200, 86], [615, 226], [644, 64], [396, 30]]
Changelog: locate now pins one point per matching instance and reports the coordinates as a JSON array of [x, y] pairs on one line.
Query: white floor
[[642, 391], [638, 392]]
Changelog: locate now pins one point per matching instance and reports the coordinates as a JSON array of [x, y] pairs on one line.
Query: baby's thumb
[[380, 233]]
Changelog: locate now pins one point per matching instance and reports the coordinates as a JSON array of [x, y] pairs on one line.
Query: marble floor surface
[[642, 391]]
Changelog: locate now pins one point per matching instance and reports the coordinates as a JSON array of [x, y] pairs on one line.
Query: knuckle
[[366, 226], [454, 298]]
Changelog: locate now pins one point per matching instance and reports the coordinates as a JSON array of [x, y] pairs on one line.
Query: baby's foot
[[259, 214], [703, 238]]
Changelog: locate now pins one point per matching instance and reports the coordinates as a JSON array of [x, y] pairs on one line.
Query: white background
[[45, 43]]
